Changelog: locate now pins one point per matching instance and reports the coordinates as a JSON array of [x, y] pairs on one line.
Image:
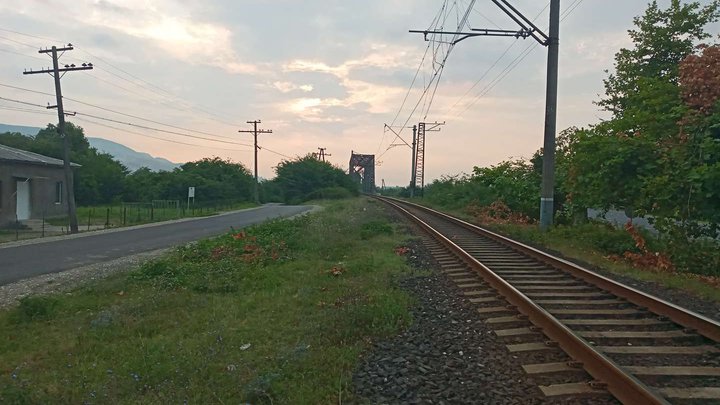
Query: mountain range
[[131, 158]]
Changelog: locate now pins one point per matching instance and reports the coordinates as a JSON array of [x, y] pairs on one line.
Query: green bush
[[330, 193], [36, 308], [603, 237], [375, 228]]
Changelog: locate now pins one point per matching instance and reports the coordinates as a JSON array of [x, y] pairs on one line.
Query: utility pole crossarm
[[521, 20], [67, 68], [522, 33], [397, 134]]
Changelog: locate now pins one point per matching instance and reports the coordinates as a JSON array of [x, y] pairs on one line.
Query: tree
[[515, 182], [634, 160], [307, 178], [98, 180], [646, 76]]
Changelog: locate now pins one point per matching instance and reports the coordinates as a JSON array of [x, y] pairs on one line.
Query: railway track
[[637, 347]]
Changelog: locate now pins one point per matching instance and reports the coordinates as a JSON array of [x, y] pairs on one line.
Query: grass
[[278, 313]]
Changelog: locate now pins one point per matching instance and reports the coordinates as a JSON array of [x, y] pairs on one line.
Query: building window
[[58, 192]]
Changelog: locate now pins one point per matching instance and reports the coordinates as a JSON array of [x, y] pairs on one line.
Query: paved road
[[19, 262]]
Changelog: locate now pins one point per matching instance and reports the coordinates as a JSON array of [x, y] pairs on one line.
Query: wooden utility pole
[[322, 154], [255, 133], [55, 72]]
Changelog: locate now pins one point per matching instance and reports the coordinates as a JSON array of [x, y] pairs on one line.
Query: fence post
[[107, 218], [89, 217], [152, 213], [124, 215]]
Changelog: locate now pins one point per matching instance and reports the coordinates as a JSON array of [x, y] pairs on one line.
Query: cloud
[[167, 24], [371, 97], [287, 87]]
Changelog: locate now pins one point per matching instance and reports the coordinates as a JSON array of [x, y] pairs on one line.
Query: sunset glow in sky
[[318, 73]]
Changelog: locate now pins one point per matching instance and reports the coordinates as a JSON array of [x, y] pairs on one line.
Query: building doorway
[[22, 207]]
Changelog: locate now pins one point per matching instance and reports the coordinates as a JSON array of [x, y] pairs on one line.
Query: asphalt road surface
[[19, 262]]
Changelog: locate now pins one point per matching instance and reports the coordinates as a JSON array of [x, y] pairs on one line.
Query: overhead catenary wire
[[513, 64], [437, 66]]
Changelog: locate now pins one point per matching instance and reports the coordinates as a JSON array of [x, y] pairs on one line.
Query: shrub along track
[[639, 348]]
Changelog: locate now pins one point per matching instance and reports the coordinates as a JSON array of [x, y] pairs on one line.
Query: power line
[[514, 63], [117, 112], [155, 137], [147, 86], [275, 152], [92, 121], [437, 72], [131, 124], [27, 110], [500, 76]]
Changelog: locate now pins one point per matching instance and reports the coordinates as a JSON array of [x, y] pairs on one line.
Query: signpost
[[191, 194]]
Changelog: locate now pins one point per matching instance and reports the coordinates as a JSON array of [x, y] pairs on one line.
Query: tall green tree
[[642, 92], [629, 162], [98, 180], [307, 178]]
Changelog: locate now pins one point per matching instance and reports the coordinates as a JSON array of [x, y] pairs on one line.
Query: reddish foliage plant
[[700, 79], [497, 213], [645, 259]]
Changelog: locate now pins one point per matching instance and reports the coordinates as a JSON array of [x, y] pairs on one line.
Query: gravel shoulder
[[64, 281]]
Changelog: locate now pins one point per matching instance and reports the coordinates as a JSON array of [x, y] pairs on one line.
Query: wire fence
[[116, 216]]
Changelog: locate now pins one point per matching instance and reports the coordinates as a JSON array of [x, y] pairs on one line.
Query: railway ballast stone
[[447, 356]]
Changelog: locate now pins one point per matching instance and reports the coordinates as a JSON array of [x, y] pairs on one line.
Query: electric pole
[[322, 154], [55, 73], [552, 41], [255, 133], [419, 155], [412, 168], [547, 196]]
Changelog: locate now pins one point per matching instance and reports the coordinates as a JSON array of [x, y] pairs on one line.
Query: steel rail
[[693, 321], [620, 384]]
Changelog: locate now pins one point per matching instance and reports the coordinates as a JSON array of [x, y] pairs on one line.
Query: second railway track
[[637, 347]]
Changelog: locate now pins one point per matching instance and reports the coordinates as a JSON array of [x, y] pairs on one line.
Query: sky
[[318, 73]]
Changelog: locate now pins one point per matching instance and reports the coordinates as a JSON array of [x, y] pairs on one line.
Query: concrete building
[[32, 186]]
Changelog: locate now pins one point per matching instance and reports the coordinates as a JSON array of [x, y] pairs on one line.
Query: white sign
[[191, 192]]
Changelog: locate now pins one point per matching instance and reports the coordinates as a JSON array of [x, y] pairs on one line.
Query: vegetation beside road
[[276, 313], [658, 156]]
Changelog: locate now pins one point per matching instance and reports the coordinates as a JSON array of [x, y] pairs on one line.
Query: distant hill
[[27, 131], [132, 159]]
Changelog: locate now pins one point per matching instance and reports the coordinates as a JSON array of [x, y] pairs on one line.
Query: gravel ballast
[[448, 355]]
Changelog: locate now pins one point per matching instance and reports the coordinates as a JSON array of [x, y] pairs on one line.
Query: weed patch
[[274, 313]]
